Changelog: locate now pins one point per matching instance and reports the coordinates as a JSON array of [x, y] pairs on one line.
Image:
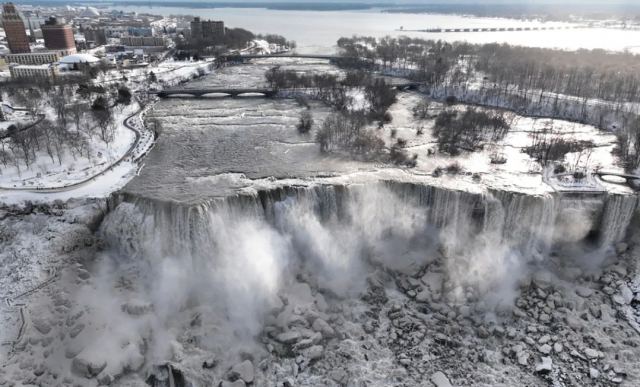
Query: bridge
[[238, 58], [628, 178], [226, 92], [495, 29], [266, 92]]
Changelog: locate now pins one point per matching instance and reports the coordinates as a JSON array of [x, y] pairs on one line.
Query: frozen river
[[217, 147], [318, 32]]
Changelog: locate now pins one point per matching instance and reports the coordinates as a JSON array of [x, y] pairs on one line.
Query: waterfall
[[531, 224]]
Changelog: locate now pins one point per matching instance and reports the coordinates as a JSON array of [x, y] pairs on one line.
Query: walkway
[[142, 144]]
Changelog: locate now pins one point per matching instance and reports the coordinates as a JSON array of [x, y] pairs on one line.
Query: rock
[[289, 337], [584, 291], [423, 296], [75, 331], [545, 349], [591, 353], [593, 373], [557, 348], [314, 353], [542, 280], [483, 333], [237, 383], [319, 325], [321, 303], [339, 375], [523, 358], [85, 368], [621, 247], [621, 270], [439, 379], [545, 366], [302, 344], [105, 380], [626, 294], [41, 325], [209, 363], [243, 371], [544, 339], [544, 318]]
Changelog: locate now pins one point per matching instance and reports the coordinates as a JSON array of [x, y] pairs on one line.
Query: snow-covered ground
[[70, 169], [107, 170]]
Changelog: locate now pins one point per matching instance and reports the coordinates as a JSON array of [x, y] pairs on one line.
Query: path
[[142, 143], [21, 306]]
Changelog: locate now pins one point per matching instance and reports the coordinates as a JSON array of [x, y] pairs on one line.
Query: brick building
[[14, 29], [58, 36]]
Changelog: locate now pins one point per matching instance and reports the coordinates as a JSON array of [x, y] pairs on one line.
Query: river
[[318, 31]]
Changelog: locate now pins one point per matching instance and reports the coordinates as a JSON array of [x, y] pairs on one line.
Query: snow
[[48, 181], [48, 173]]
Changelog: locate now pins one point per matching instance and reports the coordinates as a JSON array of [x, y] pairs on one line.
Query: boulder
[[439, 379], [236, 383], [591, 353], [319, 325], [523, 358], [86, 368], [41, 325], [289, 337], [542, 280], [545, 349], [626, 294], [584, 292], [243, 371], [621, 247], [313, 353], [545, 366]]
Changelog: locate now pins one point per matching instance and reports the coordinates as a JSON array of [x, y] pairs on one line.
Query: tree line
[[588, 86]]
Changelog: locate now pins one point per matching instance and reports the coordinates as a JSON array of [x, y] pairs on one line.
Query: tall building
[[14, 29], [58, 36], [212, 30], [196, 29], [97, 36], [206, 31]]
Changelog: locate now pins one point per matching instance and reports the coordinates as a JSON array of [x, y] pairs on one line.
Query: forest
[[589, 86]]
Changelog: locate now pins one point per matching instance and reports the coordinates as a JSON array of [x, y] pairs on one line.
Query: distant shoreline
[[544, 11]]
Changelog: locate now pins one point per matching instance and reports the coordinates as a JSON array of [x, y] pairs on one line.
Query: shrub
[[124, 95], [306, 122], [559, 169], [421, 110], [453, 168]]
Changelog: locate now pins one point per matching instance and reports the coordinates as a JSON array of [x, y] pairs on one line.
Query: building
[[212, 30], [143, 41], [77, 62], [33, 58], [207, 31], [45, 71], [58, 36], [14, 29], [196, 29], [95, 36]]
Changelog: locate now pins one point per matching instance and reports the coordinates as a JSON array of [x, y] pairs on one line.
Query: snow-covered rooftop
[[79, 58]]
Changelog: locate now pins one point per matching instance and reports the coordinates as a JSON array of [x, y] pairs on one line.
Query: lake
[[318, 31]]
